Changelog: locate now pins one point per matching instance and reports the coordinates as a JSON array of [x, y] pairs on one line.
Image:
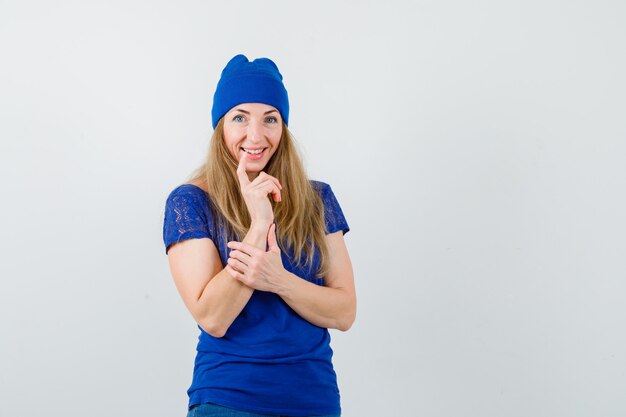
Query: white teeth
[[253, 152]]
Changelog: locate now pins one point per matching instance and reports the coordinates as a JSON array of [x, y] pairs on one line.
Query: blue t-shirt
[[270, 360]]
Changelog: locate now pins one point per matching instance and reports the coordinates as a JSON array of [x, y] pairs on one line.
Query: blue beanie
[[243, 81]]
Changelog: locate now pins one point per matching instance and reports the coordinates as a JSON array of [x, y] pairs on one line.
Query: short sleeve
[[333, 215], [186, 213]]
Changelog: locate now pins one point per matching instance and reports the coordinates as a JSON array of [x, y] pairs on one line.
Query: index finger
[[241, 170]]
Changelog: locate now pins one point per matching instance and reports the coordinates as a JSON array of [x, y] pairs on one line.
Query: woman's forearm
[[333, 308], [223, 298]]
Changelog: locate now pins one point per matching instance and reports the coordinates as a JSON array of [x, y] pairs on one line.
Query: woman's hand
[[255, 193], [256, 268]]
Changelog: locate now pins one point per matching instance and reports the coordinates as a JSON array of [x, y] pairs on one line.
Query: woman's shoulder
[[319, 186], [323, 189], [188, 191], [189, 187], [333, 214]]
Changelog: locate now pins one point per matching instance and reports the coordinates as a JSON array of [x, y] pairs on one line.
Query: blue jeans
[[214, 410]]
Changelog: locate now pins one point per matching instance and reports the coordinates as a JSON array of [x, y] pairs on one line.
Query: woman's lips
[[252, 155]]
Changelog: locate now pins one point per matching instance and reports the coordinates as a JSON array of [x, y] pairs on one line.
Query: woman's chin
[[255, 166]]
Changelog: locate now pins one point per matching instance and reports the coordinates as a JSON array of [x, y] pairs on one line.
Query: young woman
[[257, 253]]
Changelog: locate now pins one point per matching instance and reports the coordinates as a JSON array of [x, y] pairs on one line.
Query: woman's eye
[[238, 119], [271, 119]]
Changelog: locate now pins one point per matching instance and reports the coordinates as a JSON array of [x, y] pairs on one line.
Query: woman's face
[[252, 130]]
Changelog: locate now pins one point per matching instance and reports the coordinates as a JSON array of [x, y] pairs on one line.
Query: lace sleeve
[[186, 217], [333, 215]]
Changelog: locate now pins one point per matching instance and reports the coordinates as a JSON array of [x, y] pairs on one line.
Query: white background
[[478, 150]]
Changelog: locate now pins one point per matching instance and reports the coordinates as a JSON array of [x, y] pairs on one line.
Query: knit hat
[[243, 81]]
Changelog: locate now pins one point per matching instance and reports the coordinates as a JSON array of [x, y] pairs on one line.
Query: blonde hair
[[299, 216]]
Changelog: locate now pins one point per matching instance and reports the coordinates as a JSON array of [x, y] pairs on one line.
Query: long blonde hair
[[299, 216]]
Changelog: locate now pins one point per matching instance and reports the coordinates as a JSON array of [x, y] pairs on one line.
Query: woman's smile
[[254, 150]]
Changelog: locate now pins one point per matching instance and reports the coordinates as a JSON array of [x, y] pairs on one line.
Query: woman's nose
[[254, 132]]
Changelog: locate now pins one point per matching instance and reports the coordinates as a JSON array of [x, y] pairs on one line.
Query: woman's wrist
[[257, 234], [260, 228], [286, 284]]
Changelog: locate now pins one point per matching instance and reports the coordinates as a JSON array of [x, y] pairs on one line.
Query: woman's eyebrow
[[247, 112]]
